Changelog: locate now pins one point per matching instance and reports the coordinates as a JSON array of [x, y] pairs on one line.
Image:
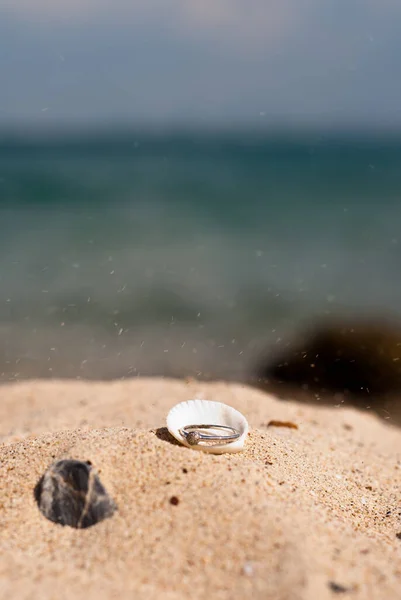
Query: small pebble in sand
[[288, 424], [337, 588], [247, 569], [71, 493]]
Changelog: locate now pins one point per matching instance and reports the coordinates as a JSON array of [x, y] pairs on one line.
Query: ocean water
[[135, 254]]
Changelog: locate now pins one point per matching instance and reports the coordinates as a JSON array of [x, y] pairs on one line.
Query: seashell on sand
[[206, 412]]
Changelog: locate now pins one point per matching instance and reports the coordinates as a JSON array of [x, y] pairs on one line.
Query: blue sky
[[330, 63]]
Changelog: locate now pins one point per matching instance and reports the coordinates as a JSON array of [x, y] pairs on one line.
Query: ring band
[[194, 436]]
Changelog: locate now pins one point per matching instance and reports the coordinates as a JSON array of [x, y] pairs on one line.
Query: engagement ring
[[194, 435]]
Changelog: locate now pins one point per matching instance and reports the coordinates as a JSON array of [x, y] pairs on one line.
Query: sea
[[188, 254]]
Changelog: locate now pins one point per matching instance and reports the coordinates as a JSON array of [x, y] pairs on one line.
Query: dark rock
[[71, 493], [353, 357], [337, 588]]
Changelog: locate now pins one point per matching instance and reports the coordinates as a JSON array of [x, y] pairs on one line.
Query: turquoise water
[[188, 255]]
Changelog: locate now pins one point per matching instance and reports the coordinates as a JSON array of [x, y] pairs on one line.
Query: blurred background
[[185, 185]]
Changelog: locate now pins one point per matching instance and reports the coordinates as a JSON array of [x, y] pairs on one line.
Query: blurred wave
[[188, 255]]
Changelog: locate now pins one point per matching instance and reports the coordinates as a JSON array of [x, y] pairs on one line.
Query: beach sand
[[307, 513]]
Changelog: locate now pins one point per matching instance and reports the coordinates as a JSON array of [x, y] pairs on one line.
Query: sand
[[307, 513]]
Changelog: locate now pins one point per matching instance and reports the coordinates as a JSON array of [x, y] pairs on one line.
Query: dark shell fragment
[[71, 493]]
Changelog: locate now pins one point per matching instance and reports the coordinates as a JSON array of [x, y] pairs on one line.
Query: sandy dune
[[303, 513]]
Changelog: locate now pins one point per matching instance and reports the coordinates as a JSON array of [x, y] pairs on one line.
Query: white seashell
[[199, 412]]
